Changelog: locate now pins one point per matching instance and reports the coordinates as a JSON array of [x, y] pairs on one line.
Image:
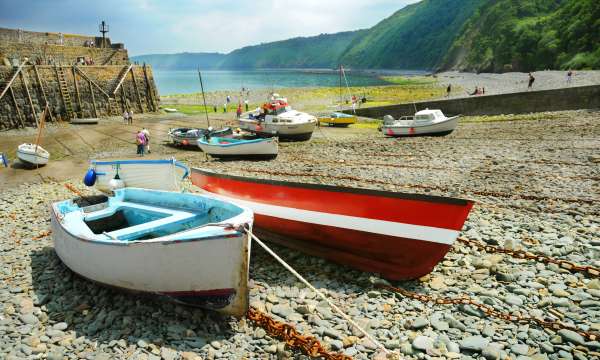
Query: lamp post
[[103, 29]]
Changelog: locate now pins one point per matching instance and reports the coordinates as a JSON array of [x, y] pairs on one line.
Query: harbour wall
[[572, 98], [73, 92]]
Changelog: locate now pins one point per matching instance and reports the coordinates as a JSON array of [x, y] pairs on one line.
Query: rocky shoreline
[[536, 186]]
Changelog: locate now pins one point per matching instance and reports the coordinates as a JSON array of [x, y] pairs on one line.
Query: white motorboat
[[239, 148], [425, 122], [33, 154], [277, 118], [190, 248]]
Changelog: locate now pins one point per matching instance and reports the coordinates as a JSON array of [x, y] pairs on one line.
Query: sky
[[151, 27]]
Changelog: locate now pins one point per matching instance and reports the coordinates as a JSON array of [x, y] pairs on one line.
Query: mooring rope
[[388, 353]]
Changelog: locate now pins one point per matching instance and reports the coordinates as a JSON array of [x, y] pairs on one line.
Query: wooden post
[[41, 84], [93, 99], [60, 91], [29, 97], [137, 91], [14, 99], [77, 91], [149, 89]]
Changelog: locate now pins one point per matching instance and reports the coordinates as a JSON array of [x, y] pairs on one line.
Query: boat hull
[[437, 129], [258, 148], [149, 174], [211, 273], [298, 132], [400, 236], [30, 155], [340, 121]]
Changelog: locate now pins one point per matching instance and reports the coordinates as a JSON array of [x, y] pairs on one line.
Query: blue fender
[[90, 177]]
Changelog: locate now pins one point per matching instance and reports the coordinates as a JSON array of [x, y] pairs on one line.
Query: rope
[[321, 295]]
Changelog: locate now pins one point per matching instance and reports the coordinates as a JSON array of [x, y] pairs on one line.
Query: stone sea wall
[[90, 90], [572, 98]]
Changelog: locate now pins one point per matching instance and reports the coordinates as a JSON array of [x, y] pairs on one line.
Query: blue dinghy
[[188, 247]]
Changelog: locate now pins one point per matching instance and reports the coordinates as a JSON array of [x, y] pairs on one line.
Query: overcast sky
[[149, 26]]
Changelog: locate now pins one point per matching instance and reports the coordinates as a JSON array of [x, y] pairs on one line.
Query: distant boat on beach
[[425, 122]]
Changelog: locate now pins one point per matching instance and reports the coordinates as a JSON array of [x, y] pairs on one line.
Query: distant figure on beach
[[214, 108], [482, 90], [246, 104], [147, 136], [448, 90], [569, 77], [238, 112], [140, 140], [125, 117], [228, 98], [531, 80], [130, 117], [225, 108], [475, 92]]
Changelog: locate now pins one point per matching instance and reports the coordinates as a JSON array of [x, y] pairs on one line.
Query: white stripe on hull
[[156, 267], [267, 147], [410, 231], [148, 176], [279, 129]]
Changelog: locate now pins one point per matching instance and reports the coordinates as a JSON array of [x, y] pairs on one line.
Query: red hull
[[400, 236]]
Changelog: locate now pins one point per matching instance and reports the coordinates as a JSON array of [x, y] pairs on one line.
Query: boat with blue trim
[[264, 148], [190, 248], [164, 174]]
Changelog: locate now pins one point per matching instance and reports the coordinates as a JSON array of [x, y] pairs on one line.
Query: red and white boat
[[398, 235]]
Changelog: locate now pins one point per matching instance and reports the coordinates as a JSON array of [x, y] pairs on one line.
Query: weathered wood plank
[[137, 91], [93, 99], [41, 84], [29, 98], [77, 91], [19, 114]]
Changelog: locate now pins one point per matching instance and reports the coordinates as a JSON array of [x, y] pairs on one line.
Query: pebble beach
[[535, 182]]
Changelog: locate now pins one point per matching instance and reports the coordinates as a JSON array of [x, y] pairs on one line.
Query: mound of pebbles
[[48, 313]]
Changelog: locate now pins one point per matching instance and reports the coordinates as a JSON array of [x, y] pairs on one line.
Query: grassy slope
[[415, 37], [303, 52], [527, 35]]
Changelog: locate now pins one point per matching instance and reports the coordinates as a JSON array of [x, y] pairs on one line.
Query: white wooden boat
[[87, 121], [190, 136], [425, 122], [276, 118], [149, 174], [231, 147], [33, 154], [190, 248], [170, 110]]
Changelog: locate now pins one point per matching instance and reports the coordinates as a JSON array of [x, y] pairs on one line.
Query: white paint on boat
[[149, 174], [33, 154], [411, 231], [423, 123], [236, 147]]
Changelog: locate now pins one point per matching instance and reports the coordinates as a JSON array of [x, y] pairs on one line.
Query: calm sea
[[186, 81]]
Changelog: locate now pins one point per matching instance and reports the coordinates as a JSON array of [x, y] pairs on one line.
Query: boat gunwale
[[237, 142], [144, 162], [340, 189]]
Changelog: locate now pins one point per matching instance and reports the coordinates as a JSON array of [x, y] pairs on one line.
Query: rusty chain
[[490, 311], [286, 332], [521, 254]]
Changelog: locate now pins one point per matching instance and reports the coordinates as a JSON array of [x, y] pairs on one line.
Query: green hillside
[[526, 35], [181, 61], [475, 35], [322, 51], [415, 37]]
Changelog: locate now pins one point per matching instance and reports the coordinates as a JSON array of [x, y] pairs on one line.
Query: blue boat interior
[[141, 214]]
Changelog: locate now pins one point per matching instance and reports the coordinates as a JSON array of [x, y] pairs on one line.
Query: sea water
[[186, 81]]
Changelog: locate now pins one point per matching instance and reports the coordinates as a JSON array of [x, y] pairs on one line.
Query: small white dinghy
[[148, 174], [189, 248], [33, 154], [239, 148], [425, 122]]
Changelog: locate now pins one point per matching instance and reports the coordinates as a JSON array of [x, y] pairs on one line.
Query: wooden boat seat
[[171, 216]]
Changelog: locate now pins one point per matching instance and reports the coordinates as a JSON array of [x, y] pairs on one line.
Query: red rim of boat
[[342, 189]]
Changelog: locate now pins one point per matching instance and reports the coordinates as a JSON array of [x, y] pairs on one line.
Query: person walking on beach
[[448, 90], [531, 80], [140, 140], [569, 77], [228, 98], [246, 104], [225, 108], [130, 117], [238, 113], [147, 136], [125, 117]]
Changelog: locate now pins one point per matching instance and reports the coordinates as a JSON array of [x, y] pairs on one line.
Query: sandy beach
[[534, 179]]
